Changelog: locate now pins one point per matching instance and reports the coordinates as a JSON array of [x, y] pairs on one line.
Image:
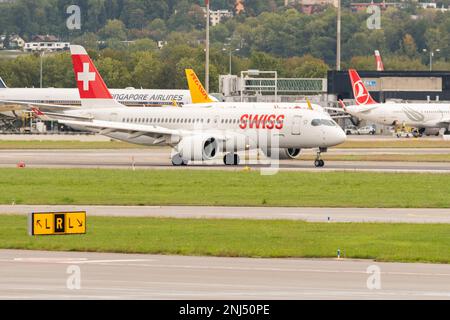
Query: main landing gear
[[319, 163], [177, 160], [231, 159]]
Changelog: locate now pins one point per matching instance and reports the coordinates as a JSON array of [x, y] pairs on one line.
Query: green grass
[[62, 144], [242, 238], [228, 188]]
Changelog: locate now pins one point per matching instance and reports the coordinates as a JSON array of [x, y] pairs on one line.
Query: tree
[[114, 72], [114, 29], [409, 46], [147, 70]]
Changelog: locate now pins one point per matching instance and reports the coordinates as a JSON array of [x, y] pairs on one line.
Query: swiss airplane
[[195, 133], [424, 116]]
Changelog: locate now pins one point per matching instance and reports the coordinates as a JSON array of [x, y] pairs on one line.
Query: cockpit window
[[315, 122]]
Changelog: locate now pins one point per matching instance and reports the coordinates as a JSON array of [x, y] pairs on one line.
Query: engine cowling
[[283, 153], [431, 131], [198, 148]]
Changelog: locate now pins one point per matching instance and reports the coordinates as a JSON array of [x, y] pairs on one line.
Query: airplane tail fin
[[198, 92], [91, 87], [360, 92], [2, 84], [379, 61]]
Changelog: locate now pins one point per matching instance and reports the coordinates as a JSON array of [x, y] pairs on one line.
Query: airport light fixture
[[230, 52], [431, 56], [208, 13], [41, 67]]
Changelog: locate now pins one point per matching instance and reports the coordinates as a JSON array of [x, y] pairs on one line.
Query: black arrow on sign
[[39, 223], [80, 224]]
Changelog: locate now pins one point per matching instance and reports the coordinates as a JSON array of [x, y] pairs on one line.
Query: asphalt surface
[[159, 158], [409, 215], [53, 275]]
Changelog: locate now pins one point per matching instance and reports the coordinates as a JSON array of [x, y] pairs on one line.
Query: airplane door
[[113, 117], [296, 125], [216, 121]]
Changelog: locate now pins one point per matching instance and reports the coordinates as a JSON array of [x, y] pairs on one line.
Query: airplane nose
[[338, 136]]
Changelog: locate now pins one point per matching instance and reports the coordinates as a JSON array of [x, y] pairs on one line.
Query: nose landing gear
[[319, 163]]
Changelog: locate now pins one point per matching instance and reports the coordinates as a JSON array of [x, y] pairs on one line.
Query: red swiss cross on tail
[[91, 87], [362, 95]]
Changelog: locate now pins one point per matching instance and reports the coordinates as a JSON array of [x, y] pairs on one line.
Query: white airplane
[[424, 116], [69, 97], [194, 133]]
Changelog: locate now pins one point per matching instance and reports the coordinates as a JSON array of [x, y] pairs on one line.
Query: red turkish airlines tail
[[91, 87], [360, 92], [380, 65]]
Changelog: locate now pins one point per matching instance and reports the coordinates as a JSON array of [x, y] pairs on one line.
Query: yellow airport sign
[[54, 223]]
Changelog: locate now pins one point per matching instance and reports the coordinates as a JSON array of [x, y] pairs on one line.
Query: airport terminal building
[[388, 85]]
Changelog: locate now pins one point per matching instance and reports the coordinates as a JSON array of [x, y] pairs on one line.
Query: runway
[[46, 275], [159, 158], [388, 215]]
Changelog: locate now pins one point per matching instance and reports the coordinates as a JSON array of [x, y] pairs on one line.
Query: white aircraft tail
[[379, 61], [93, 90], [2, 84]]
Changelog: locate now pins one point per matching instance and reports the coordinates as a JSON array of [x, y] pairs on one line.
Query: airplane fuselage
[[419, 115], [290, 128]]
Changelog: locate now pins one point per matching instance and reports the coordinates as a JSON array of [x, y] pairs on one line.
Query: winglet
[[360, 92], [39, 114], [2, 84], [309, 104], [198, 92], [341, 102]]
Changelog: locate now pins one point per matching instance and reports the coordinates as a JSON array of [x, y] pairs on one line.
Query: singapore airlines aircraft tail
[[92, 88], [360, 92], [198, 92], [379, 61], [2, 84]]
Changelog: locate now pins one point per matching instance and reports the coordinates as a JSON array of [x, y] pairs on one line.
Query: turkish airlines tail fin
[[379, 61], [198, 92], [2, 84], [360, 92], [91, 87]]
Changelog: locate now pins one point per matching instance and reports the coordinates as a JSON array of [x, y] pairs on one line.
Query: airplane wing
[[334, 109], [46, 106], [442, 122], [106, 127], [11, 107]]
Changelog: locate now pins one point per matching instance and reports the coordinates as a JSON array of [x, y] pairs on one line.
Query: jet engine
[[283, 153], [197, 148]]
